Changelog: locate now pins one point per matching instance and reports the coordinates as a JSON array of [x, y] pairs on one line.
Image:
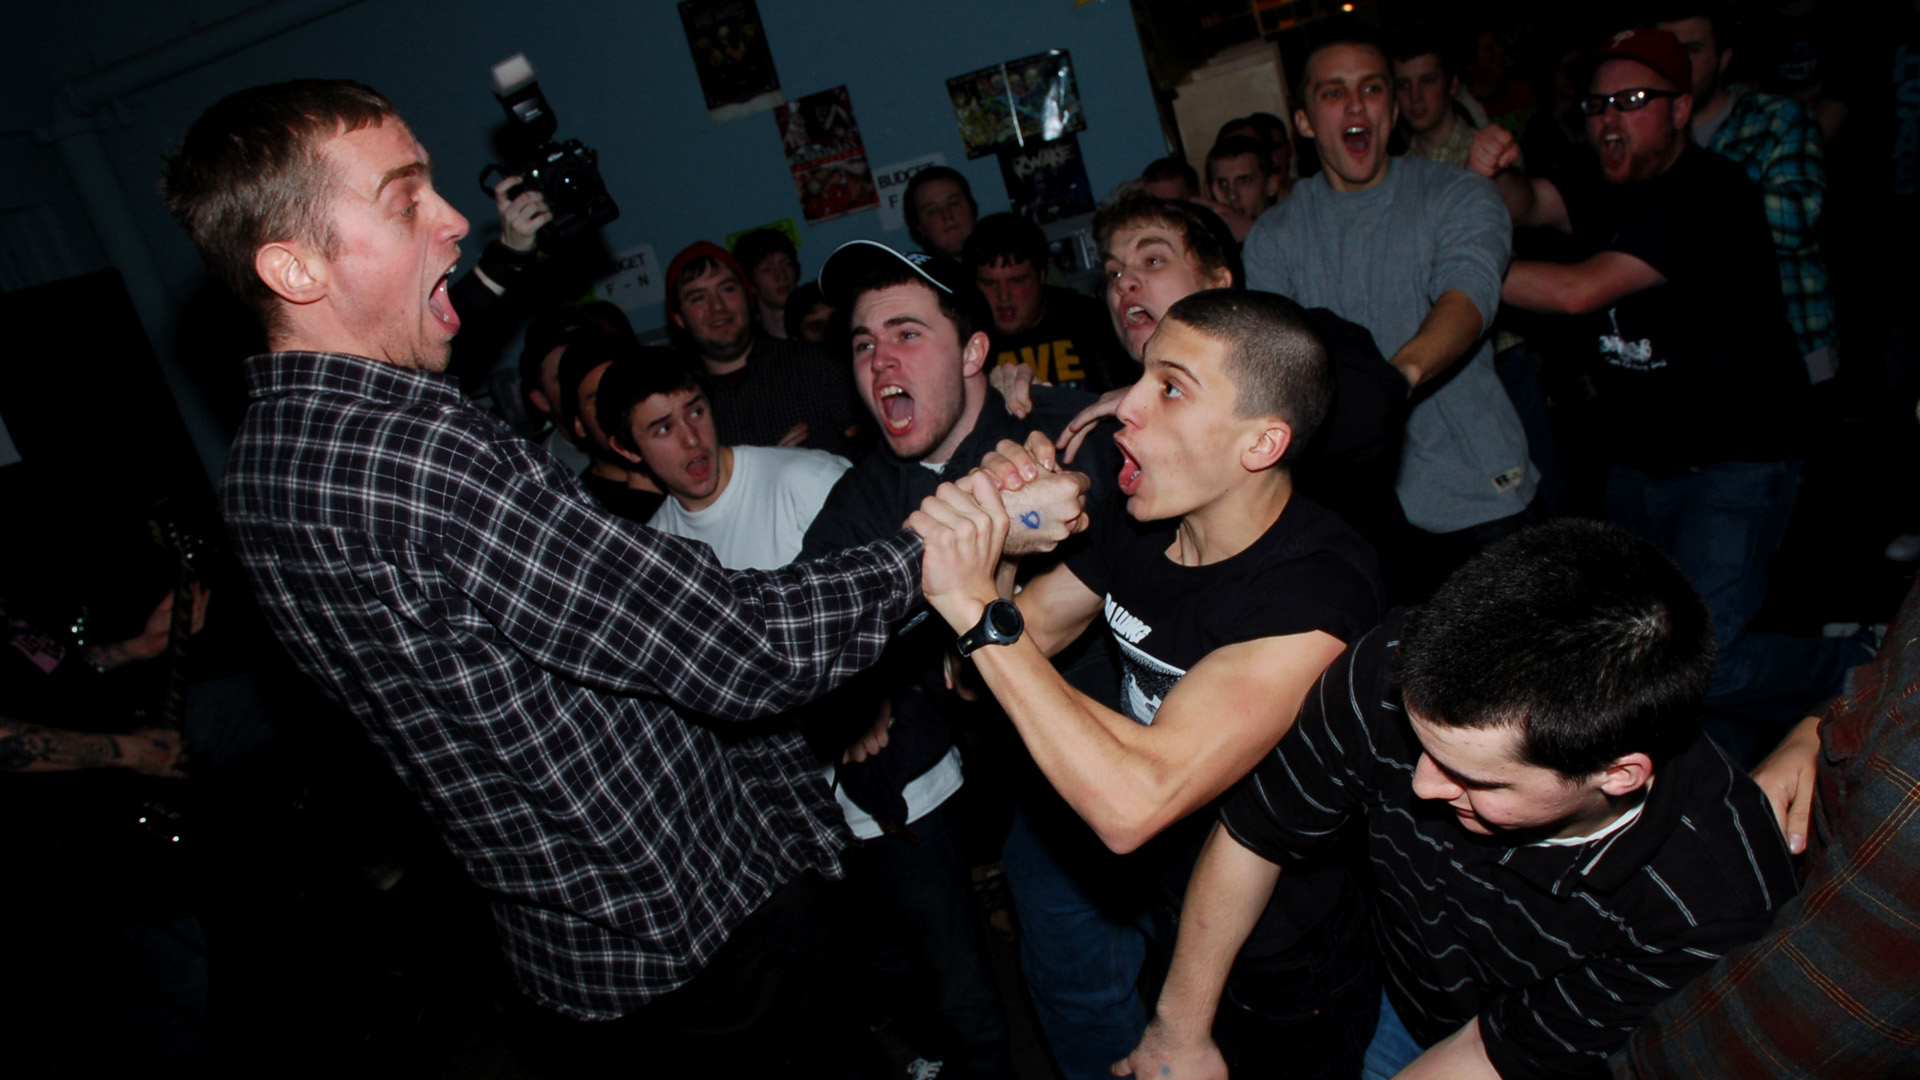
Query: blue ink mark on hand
[[1031, 519], [1166, 1070]]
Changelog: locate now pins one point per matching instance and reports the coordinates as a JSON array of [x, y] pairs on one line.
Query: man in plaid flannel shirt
[[1777, 141], [551, 682]]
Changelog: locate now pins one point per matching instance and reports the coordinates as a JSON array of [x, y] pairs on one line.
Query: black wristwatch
[[1000, 624]]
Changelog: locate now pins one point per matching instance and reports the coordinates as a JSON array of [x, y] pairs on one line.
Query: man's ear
[[677, 320], [1683, 112], [1626, 774], [974, 356], [579, 430], [540, 402], [1726, 60], [631, 458], [1273, 184], [1221, 278], [1268, 446], [1302, 125], [292, 270]]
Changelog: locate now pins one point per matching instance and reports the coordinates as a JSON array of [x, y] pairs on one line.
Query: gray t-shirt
[[1381, 257]]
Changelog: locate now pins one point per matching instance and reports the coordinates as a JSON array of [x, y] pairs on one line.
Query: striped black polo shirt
[[1560, 950]]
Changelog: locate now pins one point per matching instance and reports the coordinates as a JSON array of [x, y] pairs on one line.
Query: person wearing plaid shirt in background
[[1777, 141], [551, 682], [1829, 992]]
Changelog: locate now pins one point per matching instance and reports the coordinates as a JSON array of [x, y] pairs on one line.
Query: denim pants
[[924, 885], [1081, 952], [1723, 523], [1392, 1048]]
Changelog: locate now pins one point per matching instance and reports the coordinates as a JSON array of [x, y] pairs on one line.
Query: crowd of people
[[1259, 646]]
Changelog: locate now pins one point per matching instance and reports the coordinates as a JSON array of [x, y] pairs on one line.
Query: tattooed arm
[[32, 748]]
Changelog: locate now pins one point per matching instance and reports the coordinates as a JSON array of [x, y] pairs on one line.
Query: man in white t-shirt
[[753, 505]]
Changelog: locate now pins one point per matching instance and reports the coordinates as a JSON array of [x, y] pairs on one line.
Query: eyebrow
[[1177, 366], [1462, 778], [411, 168], [897, 320]]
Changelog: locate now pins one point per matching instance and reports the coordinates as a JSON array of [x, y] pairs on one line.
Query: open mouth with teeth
[[699, 468], [1613, 151], [1129, 471], [441, 305], [1139, 324], [1357, 139], [896, 408]]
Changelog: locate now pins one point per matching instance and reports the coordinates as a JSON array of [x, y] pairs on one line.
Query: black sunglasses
[[1625, 100]]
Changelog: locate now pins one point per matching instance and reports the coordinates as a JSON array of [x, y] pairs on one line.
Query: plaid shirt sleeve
[[632, 610], [1779, 144], [1830, 990]]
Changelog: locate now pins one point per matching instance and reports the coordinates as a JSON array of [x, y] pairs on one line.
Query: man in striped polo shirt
[[1555, 846]]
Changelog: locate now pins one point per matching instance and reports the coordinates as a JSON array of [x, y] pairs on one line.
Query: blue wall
[[622, 79]]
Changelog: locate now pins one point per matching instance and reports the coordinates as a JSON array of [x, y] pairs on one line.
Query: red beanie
[[703, 249]]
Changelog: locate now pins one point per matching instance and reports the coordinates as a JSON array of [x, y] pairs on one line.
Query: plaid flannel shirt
[[1830, 991], [552, 683], [1777, 141]]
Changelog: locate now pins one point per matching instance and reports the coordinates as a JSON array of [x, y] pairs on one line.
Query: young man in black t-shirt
[[1555, 848], [1226, 593], [1063, 336], [1702, 390]]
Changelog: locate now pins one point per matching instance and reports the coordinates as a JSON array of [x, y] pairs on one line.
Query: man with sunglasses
[[1701, 386]]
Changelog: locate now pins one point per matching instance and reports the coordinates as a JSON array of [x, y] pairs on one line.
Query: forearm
[[1545, 287], [118, 654], [1229, 888], [1099, 761], [32, 748], [1448, 332]]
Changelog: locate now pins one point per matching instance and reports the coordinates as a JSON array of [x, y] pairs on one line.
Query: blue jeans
[[925, 886], [1392, 1048], [1723, 523], [1081, 949]]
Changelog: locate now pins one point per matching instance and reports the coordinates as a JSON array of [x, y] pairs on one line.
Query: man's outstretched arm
[[1580, 288], [1229, 889], [1127, 780]]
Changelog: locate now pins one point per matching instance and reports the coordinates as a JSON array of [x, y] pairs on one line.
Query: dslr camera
[[567, 173]]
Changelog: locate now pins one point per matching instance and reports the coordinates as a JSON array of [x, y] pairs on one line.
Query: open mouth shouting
[[1129, 471], [1613, 151], [1357, 138], [441, 305], [896, 408]]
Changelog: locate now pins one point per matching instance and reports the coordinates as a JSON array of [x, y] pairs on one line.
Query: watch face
[[1005, 619]]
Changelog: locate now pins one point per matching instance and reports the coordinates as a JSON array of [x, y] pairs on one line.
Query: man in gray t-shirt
[[1415, 252]]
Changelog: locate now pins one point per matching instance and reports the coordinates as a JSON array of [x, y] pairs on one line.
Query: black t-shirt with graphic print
[[1307, 572]]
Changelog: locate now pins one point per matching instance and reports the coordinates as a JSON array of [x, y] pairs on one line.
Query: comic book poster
[[731, 54], [1047, 181], [1032, 99], [829, 162]]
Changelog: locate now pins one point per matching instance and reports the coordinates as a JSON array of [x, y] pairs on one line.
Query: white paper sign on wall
[[892, 182], [635, 281]]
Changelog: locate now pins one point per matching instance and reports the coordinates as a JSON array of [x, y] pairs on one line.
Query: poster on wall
[[633, 281], [1047, 181], [731, 54], [1021, 101], [891, 180], [785, 227], [828, 160]]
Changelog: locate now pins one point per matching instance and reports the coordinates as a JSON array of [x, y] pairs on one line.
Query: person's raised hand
[[1494, 149], [521, 216], [963, 527], [1015, 383], [1082, 425]]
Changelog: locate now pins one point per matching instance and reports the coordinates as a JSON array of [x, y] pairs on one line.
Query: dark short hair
[[646, 371], [921, 179], [1714, 11], [1275, 358], [1266, 127], [587, 348], [963, 305], [1171, 167], [1582, 636], [1234, 146], [551, 329], [1413, 43], [801, 304], [1206, 237], [251, 172], [1344, 30], [759, 244], [1007, 238]]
